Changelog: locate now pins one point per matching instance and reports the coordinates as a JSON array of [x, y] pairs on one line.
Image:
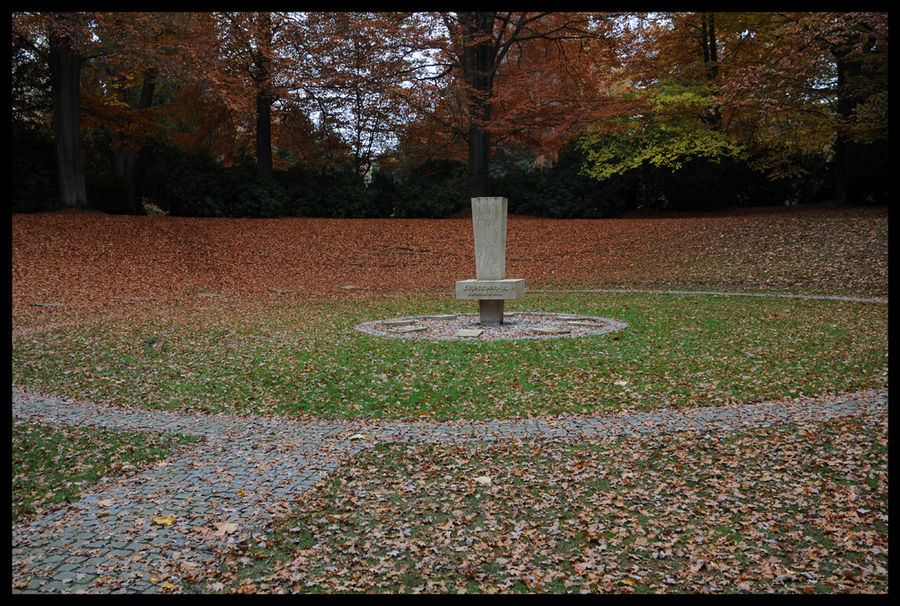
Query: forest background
[[340, 114]]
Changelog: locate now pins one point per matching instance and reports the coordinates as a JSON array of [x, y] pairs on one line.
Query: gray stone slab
[[408, 329], [468, 332], [398, 322], [551, 330]]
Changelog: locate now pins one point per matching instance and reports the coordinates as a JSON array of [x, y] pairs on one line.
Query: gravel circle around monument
[[468, 327]]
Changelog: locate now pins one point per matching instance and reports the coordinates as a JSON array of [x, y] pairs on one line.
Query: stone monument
[[490, 285]]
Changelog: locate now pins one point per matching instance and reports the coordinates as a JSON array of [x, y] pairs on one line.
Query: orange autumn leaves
[[91, 261]]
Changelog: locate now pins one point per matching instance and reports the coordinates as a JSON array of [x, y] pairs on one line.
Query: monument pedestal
[[491, 294], [490, 287], [490, 312]]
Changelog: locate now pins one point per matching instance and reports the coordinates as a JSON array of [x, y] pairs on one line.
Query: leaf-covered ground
[[257, 316], [54, 465], [252, 315], [306, 358], [106, 262], [792, 509]]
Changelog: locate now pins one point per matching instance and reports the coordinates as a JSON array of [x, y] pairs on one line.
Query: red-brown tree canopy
[[362, 89]]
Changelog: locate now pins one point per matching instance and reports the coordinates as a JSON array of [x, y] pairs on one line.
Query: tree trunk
[[65, 72], [479, 162], [711, 62], [844, 146], [130, 163], [842, 152], [713, 48], [477, 61], [264, 134], [262, 75], [704, 40]]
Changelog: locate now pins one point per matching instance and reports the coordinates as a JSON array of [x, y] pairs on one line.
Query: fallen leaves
[[96, 261], [759, 512], [305, 358], [259, 352], [679, 513], [225, 528], [53, 465], [164, 520]]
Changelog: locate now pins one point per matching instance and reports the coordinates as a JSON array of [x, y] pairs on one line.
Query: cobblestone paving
[[248, 470]]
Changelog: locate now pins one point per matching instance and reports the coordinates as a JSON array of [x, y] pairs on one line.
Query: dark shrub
[[183, 183], [318, 192], [869, 174], [434, 189], [194, 185], [382, 193], [106, 190], [35, 185], [560, 191], [702, 184]]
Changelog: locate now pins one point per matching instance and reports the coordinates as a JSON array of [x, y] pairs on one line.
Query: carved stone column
[[490, 287]]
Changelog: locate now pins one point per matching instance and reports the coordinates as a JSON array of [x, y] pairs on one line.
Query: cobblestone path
[[248, 470]]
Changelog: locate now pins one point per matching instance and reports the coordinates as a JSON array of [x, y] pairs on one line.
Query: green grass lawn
[[307, 359]]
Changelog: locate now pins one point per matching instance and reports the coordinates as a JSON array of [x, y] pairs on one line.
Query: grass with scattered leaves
[[52, 465], [307, 358], [796, 508]]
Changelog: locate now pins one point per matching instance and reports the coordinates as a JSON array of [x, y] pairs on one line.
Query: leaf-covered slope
[[91, 260]]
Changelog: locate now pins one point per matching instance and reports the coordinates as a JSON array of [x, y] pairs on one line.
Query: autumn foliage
[[798, 98]]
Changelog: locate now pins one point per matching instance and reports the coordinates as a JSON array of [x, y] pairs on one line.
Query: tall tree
[[60, 39], [251, 49], [129, 54], [353, 68], [478, 50], [856, 43], [818, 85], [65, 69], [675, 64], [776, 88], [105, 68]]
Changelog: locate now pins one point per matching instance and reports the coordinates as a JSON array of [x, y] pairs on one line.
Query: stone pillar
[[490, 287], [489, 225]]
